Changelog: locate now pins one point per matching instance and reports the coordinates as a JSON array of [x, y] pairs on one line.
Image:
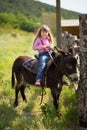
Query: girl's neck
[[44, 38]]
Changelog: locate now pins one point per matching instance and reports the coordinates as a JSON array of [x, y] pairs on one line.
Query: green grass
[[30, 115]]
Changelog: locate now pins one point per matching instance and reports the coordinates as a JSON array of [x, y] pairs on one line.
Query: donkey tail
[[13, 79]]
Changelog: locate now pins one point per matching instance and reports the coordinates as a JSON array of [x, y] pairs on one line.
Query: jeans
[[43, 58]]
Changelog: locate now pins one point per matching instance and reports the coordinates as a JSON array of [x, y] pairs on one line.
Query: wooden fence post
[[58, 23]]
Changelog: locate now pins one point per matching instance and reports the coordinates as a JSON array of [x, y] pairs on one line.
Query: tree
[[50, 20], [82, 89]]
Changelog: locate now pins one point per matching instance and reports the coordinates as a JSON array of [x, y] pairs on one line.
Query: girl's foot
[[37, 83]]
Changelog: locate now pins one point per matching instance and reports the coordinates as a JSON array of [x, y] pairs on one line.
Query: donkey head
[[69, 64]]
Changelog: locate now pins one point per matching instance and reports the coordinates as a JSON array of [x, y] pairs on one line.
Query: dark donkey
[[61, 65]]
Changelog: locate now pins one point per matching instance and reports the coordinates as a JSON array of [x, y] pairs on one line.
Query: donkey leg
[[16, 96], [22, 88], [55, 94]]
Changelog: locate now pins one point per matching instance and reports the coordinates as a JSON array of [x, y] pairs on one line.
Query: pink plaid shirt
[[39, 43]]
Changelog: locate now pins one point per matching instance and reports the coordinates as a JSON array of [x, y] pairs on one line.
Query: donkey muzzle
[[74, 77]]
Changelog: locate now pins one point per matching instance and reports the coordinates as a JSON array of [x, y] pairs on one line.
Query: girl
[[43, 43]]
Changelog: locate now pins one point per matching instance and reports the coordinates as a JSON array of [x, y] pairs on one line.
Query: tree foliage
[[32, 8], [50, 20], [30, 14], [19, 21], [68, 14]]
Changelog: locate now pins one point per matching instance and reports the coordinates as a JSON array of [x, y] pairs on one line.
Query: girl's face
[[44, 34]]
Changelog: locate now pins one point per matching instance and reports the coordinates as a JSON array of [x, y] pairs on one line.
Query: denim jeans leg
[[43, 60]]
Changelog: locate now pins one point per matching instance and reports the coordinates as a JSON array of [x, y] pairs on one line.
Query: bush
[[19, 21]]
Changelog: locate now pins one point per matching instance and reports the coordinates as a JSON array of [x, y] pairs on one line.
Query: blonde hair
[[44, 28]]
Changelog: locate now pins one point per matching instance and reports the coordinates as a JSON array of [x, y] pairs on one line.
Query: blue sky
[[74, 5]]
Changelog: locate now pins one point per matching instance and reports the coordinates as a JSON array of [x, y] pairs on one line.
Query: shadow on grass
[[36, 117], [7, 115], [50, 119], [27, 119], [68, 121], [71, 117]]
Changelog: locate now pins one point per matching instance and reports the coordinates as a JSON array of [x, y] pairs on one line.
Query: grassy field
[[30, 115]]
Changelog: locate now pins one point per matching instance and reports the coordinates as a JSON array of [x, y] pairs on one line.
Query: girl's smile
[[44, 34]]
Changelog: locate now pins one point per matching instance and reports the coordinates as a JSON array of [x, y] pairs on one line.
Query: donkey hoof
[[25, 101], [15, 104], [59, 115]]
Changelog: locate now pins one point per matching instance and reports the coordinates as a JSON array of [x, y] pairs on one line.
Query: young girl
[[43, 43]]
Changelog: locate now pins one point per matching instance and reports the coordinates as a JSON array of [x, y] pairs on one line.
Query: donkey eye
[[69, 66]]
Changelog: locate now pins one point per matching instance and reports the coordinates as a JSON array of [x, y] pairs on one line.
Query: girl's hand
[[43, 47]]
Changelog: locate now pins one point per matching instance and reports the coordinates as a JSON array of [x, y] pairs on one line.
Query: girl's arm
[[37, 45]]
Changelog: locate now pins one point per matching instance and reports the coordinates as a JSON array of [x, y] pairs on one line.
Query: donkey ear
[[53, 54], [64, 53]]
